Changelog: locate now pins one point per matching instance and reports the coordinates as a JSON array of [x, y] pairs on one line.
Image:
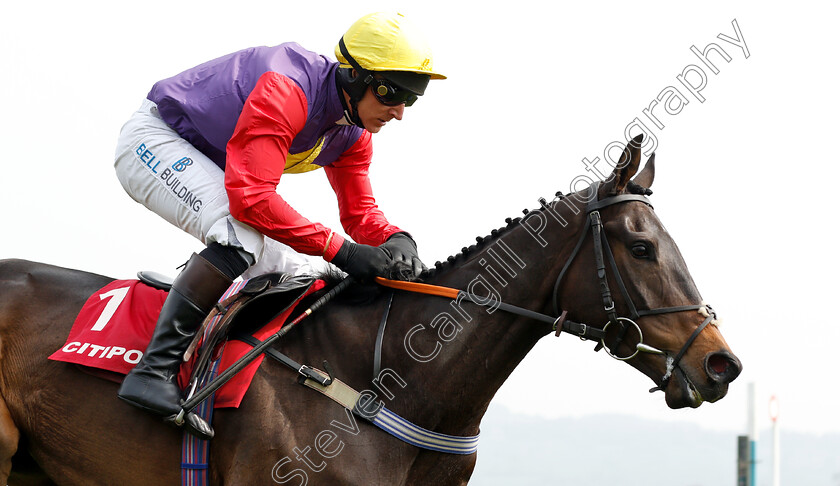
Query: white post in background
[[752, 428], [774, 416]]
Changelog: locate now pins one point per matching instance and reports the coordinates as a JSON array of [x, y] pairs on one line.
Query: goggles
[[390, 95]]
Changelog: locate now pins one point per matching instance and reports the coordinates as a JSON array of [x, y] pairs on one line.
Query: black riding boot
[[152, 384]]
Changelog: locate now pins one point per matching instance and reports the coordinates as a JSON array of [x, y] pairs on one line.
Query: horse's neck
[[464, 352]]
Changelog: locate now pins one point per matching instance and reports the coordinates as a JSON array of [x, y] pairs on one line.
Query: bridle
[[585, 331], [420, 437], [624, 324]]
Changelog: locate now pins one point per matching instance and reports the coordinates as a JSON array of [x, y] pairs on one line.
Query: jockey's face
[[375, 115]]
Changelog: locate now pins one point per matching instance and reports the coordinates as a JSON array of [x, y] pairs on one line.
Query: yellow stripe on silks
[[304, 161]]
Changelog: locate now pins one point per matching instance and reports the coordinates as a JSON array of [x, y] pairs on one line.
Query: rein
[[559, 324]]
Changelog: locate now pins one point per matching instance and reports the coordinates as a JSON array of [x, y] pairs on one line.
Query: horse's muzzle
[[691, 387]]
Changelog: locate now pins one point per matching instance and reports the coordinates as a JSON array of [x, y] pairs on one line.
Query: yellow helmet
[[386, 42]]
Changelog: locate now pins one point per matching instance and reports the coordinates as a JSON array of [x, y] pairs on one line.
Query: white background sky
[[745, 181]]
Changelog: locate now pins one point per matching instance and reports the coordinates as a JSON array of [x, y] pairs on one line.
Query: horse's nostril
[[722, 367], [718, 364]]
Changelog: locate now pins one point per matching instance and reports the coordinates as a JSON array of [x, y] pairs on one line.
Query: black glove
[[403, 251], [362, 261]]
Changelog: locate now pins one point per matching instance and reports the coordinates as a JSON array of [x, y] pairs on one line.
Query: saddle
[[261, 305]]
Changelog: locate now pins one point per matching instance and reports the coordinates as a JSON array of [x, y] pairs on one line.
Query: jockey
[[206, 151]]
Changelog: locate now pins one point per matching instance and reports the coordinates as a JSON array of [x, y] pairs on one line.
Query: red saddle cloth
[[116, 324]]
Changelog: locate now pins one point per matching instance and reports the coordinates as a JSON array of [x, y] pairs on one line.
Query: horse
[[442, 359]]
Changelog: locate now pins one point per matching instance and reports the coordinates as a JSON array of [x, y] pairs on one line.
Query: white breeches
[[169, 176]]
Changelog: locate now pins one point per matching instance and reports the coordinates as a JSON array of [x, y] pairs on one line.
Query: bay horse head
[[655, 320]]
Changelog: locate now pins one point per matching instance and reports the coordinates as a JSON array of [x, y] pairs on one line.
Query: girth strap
[[347, 397], [393, 424]]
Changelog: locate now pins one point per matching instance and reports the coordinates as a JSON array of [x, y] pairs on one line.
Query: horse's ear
[[626, 168], [645, 177]]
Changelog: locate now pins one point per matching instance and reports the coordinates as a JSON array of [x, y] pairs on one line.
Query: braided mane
[[484, 241]]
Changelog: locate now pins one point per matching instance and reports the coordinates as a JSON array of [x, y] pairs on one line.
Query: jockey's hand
[[403, 251], [362, 261]]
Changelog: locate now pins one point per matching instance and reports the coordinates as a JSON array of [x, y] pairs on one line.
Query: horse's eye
[[640, 250]]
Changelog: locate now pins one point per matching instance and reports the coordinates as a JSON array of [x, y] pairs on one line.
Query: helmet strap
[[355, 86], [351, 114], [345, 84]]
